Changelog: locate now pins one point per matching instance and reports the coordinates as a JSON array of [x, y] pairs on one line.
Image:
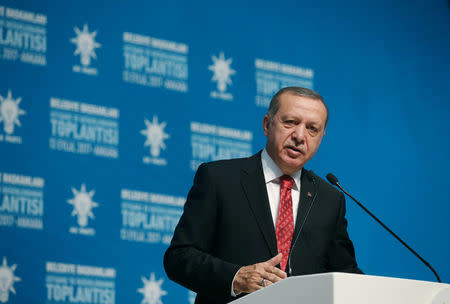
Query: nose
[[299, 134]]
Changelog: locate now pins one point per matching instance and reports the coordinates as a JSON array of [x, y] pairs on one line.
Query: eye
[[289, 122], [313, 130]]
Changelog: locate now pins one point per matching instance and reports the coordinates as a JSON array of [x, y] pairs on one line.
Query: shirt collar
[[272, 172]]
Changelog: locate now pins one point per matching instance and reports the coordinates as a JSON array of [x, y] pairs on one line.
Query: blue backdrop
[[107, 108]]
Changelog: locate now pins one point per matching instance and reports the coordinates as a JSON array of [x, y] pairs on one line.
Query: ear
[[266, 124]]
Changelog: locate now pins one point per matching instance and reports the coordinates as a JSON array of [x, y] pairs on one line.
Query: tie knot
[[286, 181]]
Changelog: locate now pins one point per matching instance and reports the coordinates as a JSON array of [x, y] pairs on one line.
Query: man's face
[[295, 132]]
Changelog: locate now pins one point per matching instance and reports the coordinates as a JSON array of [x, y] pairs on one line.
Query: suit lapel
[[307, 192], [253, 183]]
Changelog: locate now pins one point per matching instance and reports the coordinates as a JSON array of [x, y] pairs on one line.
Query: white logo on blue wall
[[155, 136], [152, 290], [10, 112], [86, 44], [222, 70], [7, 280], [82, 205]]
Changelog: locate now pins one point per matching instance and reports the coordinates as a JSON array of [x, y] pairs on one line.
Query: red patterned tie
[[285, 219]]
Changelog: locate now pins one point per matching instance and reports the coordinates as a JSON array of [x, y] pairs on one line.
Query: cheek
[[282, 138], [272, 140], [314, 143]]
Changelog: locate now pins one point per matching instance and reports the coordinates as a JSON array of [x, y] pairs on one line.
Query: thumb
[[275, 260]]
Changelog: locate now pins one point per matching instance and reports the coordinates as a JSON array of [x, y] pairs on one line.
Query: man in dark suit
[[248, 223]]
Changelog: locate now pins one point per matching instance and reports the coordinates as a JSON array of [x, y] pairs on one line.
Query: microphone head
[[332, 179]]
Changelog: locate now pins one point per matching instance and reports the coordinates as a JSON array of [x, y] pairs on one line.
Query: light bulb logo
[[155, 136], [7, 280], [86, 44], [222, 70], [152, 290], [10, 112], [82, 205]]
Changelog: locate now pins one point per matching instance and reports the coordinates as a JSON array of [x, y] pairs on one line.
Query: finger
[[270, 277], [264, 283], [257, 287], [248, 279], [254, 286], [276, 271], [275, 260]]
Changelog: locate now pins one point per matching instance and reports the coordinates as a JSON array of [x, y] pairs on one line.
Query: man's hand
[[250, 278]]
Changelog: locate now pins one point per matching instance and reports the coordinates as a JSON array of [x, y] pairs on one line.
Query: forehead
[[291, 104]]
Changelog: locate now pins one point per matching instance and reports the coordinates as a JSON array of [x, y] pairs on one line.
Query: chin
[[290, 167], [293, 162]]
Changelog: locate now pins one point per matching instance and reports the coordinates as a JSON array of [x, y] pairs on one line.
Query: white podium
[[343, 288]]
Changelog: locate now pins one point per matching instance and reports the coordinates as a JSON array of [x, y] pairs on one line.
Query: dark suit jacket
[[227, 224]]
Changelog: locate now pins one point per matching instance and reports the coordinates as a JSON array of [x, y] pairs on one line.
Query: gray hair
[[298, 91]]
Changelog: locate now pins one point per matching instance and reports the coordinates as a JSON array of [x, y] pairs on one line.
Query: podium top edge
[[335, 275]]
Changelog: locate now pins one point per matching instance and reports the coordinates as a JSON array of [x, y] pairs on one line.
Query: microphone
[[334, 181], [312, 178]]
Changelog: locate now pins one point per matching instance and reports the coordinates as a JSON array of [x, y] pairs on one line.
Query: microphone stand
[[333, 180]]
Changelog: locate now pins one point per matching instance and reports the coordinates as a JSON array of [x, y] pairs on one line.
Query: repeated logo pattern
[[10, 112], [152, 290], [86, 44], [82, 205], [7, 280]]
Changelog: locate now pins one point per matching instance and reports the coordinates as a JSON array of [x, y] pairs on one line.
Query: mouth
[[294, 150]]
